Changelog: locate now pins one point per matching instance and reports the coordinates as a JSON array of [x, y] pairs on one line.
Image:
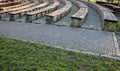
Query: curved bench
[[80, 15], [5, 13], [9, 3], [3, 1], [17, 14], [39, 13], [14, 6], [108, 18], [58, 14], [113, 7]]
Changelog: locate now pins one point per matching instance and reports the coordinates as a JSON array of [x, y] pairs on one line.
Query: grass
[[17, 55], [118, 26]]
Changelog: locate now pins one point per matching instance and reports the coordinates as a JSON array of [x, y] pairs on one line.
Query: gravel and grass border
[[25, 56]]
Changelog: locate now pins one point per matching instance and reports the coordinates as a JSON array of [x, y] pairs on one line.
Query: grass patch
[[16, 55], [118, 26]]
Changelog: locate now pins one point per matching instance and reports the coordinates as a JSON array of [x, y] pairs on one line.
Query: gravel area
[[93, 20], [22, 19], [98, 42]]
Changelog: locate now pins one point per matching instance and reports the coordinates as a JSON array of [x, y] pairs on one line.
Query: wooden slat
[[22, 12], [82, 12], [36, 14], [9, 3], [23, 7], [31, 8], [2, 13], [14, 6], [61, 11], [56, 3], [106, 13]]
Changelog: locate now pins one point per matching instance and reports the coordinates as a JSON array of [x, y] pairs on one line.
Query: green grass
[[16, 55], [118, 26]]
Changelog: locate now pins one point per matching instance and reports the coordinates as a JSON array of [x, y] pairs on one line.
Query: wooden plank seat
[[79, 17], [2, 1], [108, 18], [17, 14], [14, 6], [58, 14], [9, 3], [4, 14], [39, 13], [113, 7]]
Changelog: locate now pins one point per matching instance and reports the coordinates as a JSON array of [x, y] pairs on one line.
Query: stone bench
[[80, 15], [108, 18], [39, 13], [17, 14], [4, 14], [58, 14]]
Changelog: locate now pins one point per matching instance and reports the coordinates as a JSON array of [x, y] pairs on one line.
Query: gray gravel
[[93, 20], [98, 42]]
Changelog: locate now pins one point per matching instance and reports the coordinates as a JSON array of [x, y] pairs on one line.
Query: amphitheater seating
[[39, 13], [23, 7], [5, 4], [17, 14], [107, 16], [79, 16], [33, 10], [58, 14], [5, 13]]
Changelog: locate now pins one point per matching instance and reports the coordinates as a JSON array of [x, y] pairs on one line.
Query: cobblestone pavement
[[94, 41]]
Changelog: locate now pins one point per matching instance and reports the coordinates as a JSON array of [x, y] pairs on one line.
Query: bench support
[[76, 23], [49, 20], [3, 15]]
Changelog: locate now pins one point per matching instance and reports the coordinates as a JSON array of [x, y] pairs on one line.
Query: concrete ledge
[[116, 46]]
